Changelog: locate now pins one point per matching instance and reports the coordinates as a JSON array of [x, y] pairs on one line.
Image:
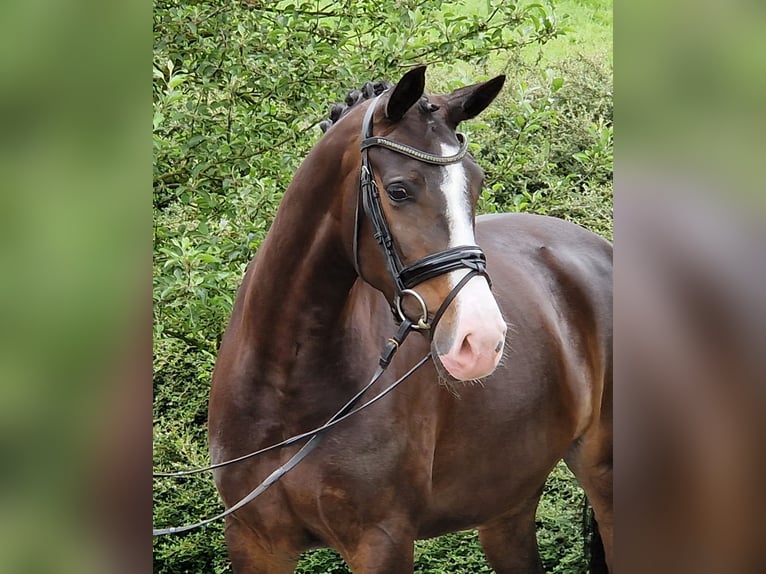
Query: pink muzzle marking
[[478, 336]]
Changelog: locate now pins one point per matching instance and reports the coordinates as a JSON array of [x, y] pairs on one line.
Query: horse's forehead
[[424, 131]]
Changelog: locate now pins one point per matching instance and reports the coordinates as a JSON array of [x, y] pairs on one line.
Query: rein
[[392, 345], [405, 278], [315, 435]]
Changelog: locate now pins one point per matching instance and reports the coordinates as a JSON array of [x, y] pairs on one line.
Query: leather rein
[[405, 278]]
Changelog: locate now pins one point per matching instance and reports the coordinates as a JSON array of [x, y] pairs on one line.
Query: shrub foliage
[[239, 89]]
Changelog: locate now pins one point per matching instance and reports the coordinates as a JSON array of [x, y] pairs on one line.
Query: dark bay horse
[[436, 455]]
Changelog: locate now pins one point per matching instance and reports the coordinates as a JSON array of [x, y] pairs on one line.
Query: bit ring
[[422, 323]]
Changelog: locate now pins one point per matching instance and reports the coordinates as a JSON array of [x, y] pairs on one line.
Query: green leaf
[[177, 80], [157, 119]]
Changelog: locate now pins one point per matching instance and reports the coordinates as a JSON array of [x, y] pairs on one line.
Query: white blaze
[[476, 311], [458, 211]]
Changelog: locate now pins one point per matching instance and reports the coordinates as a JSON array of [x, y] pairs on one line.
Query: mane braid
[[369, 90]]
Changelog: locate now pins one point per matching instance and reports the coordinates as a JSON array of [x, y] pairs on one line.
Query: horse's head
[[420, 188]]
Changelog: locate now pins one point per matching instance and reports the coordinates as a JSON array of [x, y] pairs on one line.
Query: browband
[[416, 153]]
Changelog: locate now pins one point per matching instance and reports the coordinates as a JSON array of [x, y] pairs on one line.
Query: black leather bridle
[[406, 278]]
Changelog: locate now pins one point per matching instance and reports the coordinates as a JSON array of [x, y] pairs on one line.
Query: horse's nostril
[[499, 346], [465, 348]]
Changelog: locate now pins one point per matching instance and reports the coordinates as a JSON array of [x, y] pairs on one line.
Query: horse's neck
[[294, 299]]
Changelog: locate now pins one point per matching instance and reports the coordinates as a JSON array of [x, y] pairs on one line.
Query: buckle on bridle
[[422, 323]]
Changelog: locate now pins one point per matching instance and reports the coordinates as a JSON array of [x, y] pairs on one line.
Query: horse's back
[[548, 265], [526, 239]]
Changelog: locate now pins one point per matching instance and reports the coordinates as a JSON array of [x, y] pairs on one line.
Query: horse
[[378, 228]]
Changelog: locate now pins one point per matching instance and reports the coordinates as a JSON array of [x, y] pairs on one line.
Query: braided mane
[[369, 90]]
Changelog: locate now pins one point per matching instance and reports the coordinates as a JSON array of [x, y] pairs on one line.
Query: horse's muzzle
[[469, 341]]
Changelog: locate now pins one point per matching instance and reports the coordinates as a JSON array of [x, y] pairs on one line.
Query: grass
[[587, 25], [589, 32]]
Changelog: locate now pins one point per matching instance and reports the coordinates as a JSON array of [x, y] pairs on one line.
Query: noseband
[[406, 278]]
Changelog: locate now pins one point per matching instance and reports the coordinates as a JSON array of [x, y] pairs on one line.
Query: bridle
[[406, 278]]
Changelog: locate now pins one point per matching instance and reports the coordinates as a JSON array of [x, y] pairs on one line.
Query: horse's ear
[[406, 92], [468, 102]]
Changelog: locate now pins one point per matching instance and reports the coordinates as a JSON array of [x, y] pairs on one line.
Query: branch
[[321, 13], [190, 341]]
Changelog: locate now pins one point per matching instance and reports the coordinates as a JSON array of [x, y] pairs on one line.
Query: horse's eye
[[397, 193]]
